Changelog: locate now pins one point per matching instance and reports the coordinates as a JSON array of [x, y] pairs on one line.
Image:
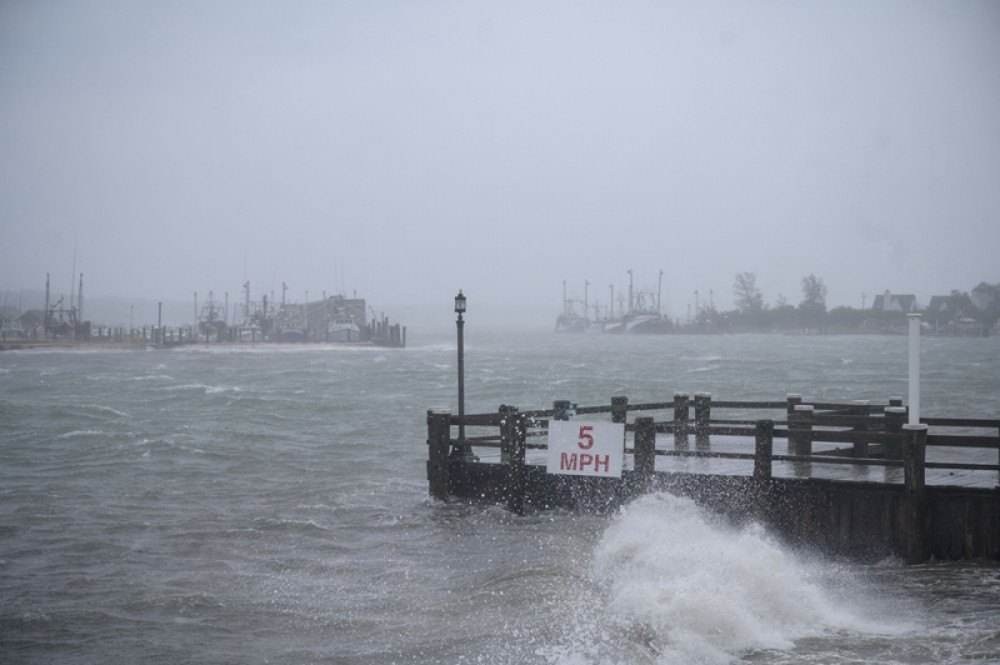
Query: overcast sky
[[408, 149]]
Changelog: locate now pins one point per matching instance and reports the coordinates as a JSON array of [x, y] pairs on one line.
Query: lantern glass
[[460, 303]]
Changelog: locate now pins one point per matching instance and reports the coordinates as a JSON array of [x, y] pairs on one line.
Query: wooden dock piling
[[516, 468], [914, 516], [619, 409], [508, 418], [895, 417], [763, 449], [560, 409], [439, 444], [644, 449], [702, 413], [862, 410], [800, 424], [792, 400], [681, 412]]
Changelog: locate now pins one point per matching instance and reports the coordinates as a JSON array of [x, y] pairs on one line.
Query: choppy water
[[268, 505]]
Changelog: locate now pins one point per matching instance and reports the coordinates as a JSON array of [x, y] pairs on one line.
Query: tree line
[[975, 312]]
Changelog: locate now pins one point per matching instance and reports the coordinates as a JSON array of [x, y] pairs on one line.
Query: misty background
[[404, 150]]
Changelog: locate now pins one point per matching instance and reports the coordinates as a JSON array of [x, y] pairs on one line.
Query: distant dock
[[848, 477], [380, 333]]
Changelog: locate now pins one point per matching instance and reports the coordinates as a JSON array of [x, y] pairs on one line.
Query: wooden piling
[[792, 400], [508, 416], [439, 444], [763, 449], [560, 409], [702, 413], [619, 409], [895, 416], [914, 513], [860, 408], [644, 449], [681, 412], [800, 424], [516, 469]]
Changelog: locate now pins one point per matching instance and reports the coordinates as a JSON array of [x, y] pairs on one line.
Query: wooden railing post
[[508, 415], [516, 485], [619, 409], [792, 400], [438, 442], [895, 416], [560, 409], [914, 522], [763, 448], [681, 409], [860, 408], [644, 449], [702, 413], [800, 424]]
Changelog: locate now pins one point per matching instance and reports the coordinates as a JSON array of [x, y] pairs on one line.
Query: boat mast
[[631, 306], [659, 292]]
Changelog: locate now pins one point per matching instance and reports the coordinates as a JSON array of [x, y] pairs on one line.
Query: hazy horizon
[[406, 151]]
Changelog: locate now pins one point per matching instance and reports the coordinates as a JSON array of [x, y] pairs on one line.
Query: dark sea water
[[269, 505]]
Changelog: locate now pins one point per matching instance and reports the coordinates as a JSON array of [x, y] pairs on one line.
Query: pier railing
[[876, 433], [853, 434]]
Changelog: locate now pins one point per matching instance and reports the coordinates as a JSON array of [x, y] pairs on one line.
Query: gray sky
[[502, 147]]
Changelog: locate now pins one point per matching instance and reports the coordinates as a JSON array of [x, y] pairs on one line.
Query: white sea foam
[[207, 389], [676, 585], [153, 377], [105, 409], [81, 433]]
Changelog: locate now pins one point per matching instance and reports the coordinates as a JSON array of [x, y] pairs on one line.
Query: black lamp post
[[460, 325]]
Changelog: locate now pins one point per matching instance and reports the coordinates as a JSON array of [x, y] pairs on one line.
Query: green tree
[[813, 306], [813, 293], [747, 295]]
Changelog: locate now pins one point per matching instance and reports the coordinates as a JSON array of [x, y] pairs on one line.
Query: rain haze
[[782, 449], [405, 150]]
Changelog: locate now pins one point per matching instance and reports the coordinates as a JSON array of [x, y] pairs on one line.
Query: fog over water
[[404, 150]]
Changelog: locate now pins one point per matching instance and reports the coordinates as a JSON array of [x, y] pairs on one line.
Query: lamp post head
[[460, 303]]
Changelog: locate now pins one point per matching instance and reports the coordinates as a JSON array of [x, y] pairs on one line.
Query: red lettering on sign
[[585, 460], [586, 441], [567, 462], [598, 460]]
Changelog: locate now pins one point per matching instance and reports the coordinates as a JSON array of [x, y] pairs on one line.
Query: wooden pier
[[847, 477]]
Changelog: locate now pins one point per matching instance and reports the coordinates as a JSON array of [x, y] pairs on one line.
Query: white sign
[[579, 448]]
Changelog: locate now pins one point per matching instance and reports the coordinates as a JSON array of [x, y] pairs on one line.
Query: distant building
[[895, 302], [943, 309], [985, 296]]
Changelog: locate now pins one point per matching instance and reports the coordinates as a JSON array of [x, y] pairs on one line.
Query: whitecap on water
[[104, 409], [80, 433], [207, 389]]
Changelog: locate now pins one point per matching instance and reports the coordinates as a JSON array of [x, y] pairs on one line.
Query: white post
[[914, 368]]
